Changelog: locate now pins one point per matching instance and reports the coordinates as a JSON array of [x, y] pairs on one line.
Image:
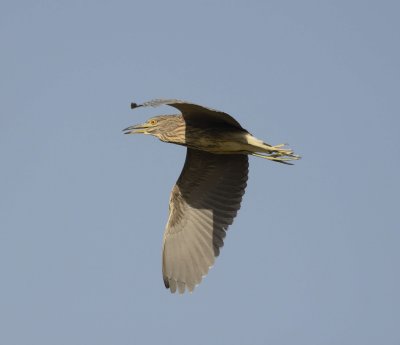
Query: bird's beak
[[136, 129]]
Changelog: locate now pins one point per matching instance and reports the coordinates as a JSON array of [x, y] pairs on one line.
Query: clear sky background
[[313, 256]]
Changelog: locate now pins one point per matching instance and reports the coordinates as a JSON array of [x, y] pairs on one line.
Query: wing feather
[[191, 111], [203, 203]]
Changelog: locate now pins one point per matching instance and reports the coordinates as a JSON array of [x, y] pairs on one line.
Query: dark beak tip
[[128, 130]]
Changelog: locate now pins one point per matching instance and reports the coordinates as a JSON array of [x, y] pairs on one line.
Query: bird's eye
[[153, 122]]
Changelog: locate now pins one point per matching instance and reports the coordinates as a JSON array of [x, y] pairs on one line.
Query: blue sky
[[313, 256]]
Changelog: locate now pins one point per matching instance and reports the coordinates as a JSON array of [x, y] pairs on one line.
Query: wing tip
[[175, 285], [166, 282], [135, 105], [156, 102]]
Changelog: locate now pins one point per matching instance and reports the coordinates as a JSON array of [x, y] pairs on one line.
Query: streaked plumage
[[208, 193]]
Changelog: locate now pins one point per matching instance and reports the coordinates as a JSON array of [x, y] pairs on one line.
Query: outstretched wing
[[192, 111], [203, 203]]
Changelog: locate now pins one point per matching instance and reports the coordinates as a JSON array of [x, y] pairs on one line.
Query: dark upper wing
[[192, 111], [203, 203]]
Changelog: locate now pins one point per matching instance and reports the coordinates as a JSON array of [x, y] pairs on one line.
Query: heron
[[208, 193]]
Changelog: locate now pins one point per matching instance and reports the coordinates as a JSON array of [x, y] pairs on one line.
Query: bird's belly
[[229, 147], [232, 144]]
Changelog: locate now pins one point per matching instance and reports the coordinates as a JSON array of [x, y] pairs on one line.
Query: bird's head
[[162, 126]]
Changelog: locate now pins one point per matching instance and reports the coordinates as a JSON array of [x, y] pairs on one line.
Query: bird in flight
[[209, 190]]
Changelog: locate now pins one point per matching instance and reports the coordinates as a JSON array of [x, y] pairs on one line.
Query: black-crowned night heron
[[208, 193]]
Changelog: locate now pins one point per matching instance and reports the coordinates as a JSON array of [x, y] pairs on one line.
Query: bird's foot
[[279, 154]]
